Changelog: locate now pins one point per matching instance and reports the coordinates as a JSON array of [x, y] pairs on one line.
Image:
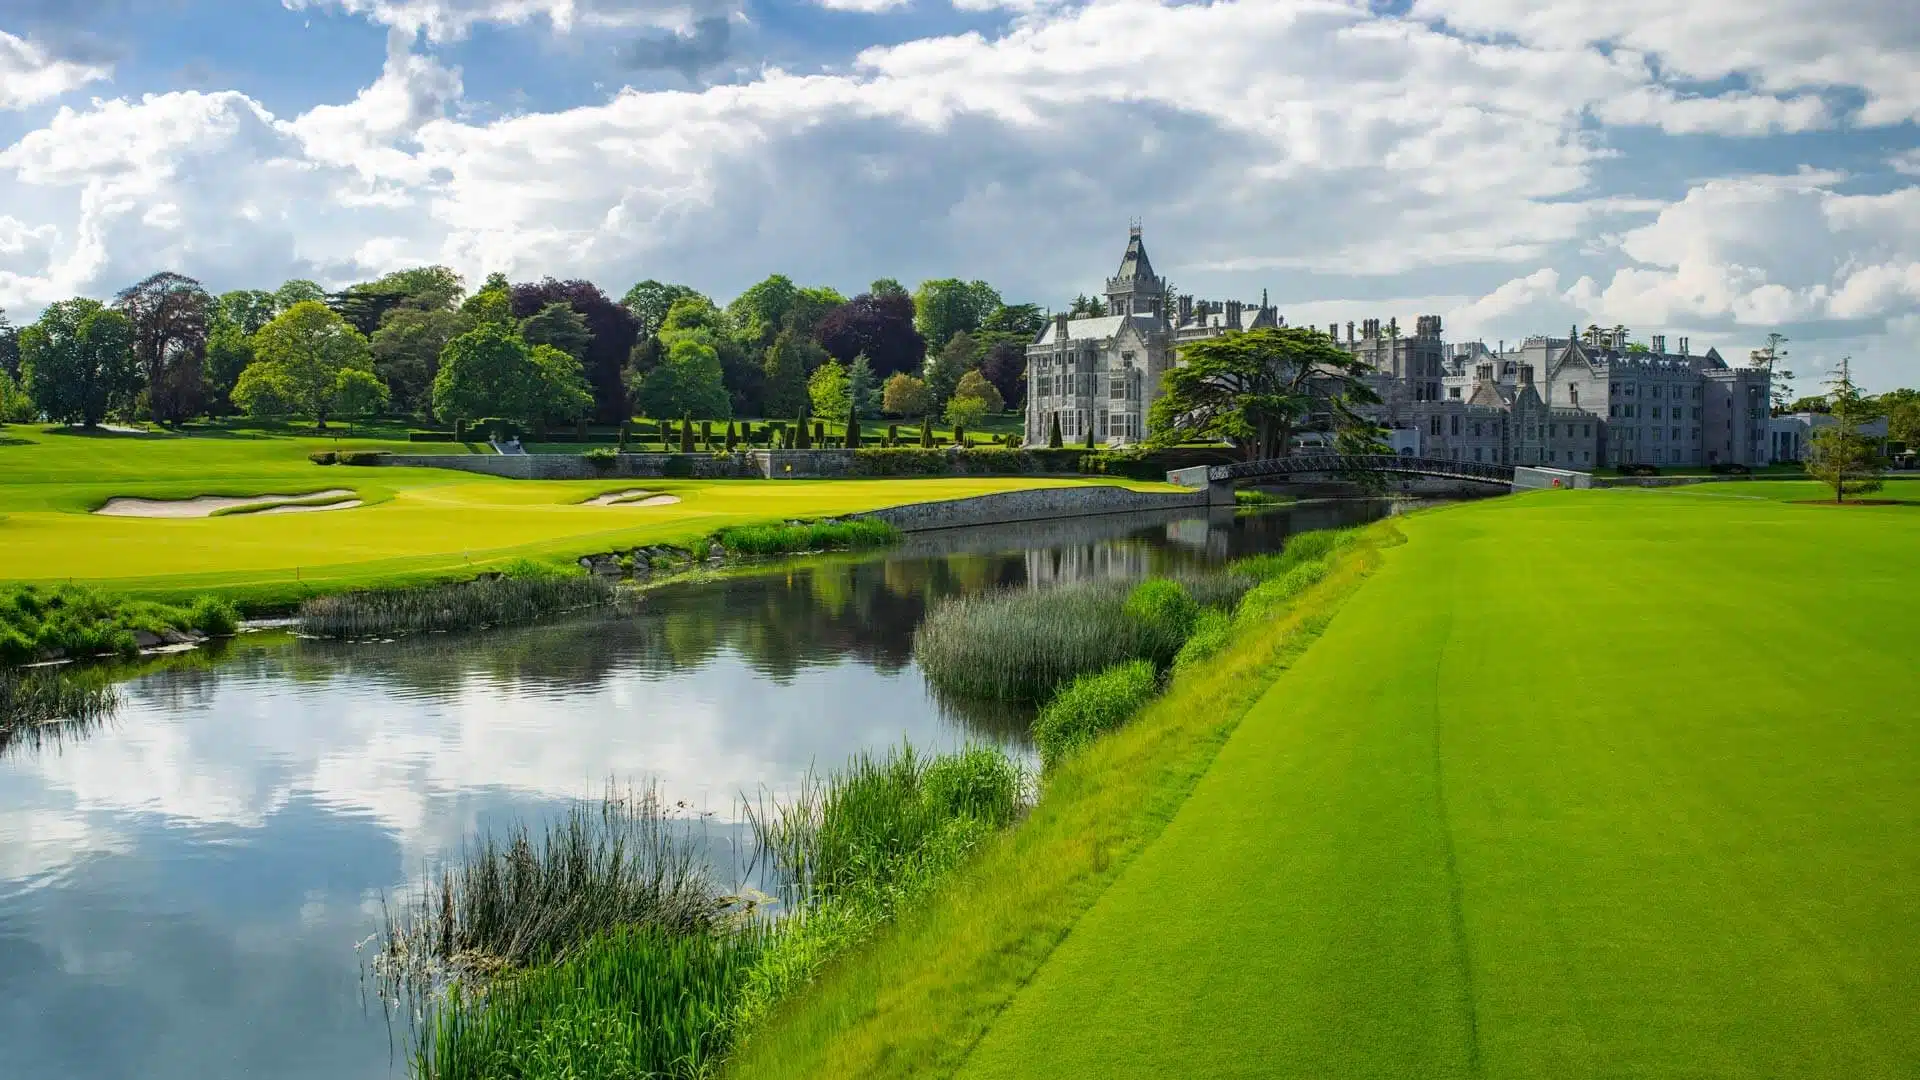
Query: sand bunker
[[308, 508], [206, 505], [633, 498]]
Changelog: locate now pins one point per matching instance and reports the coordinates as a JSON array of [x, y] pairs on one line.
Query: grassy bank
[[74, 622], [419, 525], [1644, 811], [915, 1000]]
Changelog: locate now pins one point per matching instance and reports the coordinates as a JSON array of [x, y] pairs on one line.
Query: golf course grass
[[1575, 784], [414, 525], [1580, 784]]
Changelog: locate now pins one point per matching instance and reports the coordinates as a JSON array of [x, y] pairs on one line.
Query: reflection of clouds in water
[[192, 879]]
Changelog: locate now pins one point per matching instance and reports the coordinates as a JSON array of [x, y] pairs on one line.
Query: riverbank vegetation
[[75, 622], [521, 592], [605, 947], [807, 536], [50, 703], [914, 1000]]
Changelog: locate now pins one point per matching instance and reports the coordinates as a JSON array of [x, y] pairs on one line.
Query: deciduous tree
[[489, 371], [614, 331], [827, 390], [560, 326], [961, 355], [904, 396], [649, 301], [170, 314], [687, 382], [310, 345], [1255, 388], [406, 352], [790, 360], [944, 307], [975, 385], [879, 325], [296, 291], [77, 361]]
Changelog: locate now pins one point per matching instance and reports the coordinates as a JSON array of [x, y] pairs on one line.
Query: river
[[182, 891]]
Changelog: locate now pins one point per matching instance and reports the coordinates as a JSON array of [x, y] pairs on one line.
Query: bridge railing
[[1293, 464]]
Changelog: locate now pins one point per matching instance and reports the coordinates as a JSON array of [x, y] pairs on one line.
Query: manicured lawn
[[1579, 784], [418, 524], [1896, 488]]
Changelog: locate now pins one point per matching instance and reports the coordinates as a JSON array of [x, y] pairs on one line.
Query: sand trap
[[633, 498], [308, 508], [205, 505]]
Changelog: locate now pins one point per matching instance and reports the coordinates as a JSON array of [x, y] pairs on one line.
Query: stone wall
[[1527, 476], [1034, 505]]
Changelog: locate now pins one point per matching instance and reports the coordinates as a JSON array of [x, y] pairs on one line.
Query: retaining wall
[[574, 467], [1034, 505]]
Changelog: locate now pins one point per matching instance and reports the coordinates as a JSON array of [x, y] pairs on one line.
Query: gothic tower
[[1136, 290]]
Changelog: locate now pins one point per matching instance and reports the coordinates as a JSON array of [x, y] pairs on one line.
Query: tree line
[[417, 343]]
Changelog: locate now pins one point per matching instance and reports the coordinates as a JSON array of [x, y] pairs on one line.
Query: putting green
[[416, 524], [1579, 784]]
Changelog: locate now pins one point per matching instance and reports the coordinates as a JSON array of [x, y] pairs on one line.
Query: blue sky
[[1716, 172]]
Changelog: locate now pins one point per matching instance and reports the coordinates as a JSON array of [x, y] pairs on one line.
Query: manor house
[[1578, 402]]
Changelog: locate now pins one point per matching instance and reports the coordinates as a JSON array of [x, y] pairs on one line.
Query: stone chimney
[[1233, 314], [1393, 325], [1683, 347], [1186, 309], [1660, 343], [1060, 327], [1349, 332], [1526, 375]]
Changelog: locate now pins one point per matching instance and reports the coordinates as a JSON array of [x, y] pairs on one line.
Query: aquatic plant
[[520, 594], [518, 899], [634, 1002], [1020, 645], [852, 534], [1092, 705], [39, 704]]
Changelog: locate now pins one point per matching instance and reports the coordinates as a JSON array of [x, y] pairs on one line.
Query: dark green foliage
[[813, 536], [625, 429], [677, 467], [733, 438], [926, 433], [1054, 441], [686, 436], [1212, 632], [959, 435], [601, 457], [819, 433], [853, 426], [978, 782], [363, 457], [800, 439], [527, 591], [323, 457], [1090, 443], [1092, 705]]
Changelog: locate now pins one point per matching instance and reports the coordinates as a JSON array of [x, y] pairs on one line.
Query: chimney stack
[[1060, 327], [1660, 343], [1233, 314], [1526, 375], [1349, 331], [1683, 347]]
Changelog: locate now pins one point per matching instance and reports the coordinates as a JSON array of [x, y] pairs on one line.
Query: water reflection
[[181, 891]]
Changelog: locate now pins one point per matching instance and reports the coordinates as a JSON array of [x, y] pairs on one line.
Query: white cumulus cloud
[[29, 74]]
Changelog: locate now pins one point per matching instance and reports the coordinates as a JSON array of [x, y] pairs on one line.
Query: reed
[[76, 621], [521, 594], [1021, 645], [633, 1002], [856, 533], [518, 899], [42, 704]]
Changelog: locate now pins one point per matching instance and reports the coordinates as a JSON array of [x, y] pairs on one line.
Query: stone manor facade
[[1579, 402]]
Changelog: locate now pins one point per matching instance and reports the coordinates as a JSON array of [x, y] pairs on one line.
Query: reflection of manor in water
[[1088, 562]]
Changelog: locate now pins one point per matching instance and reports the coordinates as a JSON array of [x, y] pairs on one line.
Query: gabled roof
[[1100, 329]]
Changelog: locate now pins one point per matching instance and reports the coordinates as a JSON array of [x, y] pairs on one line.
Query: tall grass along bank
[[524, 592], [48, 703], [854, 534], [604, 948], [913, 1001]]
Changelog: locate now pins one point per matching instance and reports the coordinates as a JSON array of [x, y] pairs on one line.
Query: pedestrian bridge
[[1221, 478]]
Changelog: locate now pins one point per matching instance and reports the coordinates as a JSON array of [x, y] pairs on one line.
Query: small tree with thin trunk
[[1838, 455]]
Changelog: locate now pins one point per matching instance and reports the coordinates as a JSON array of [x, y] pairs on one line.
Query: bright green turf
[[419, 524], [1579, 784], [1899, 488]]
